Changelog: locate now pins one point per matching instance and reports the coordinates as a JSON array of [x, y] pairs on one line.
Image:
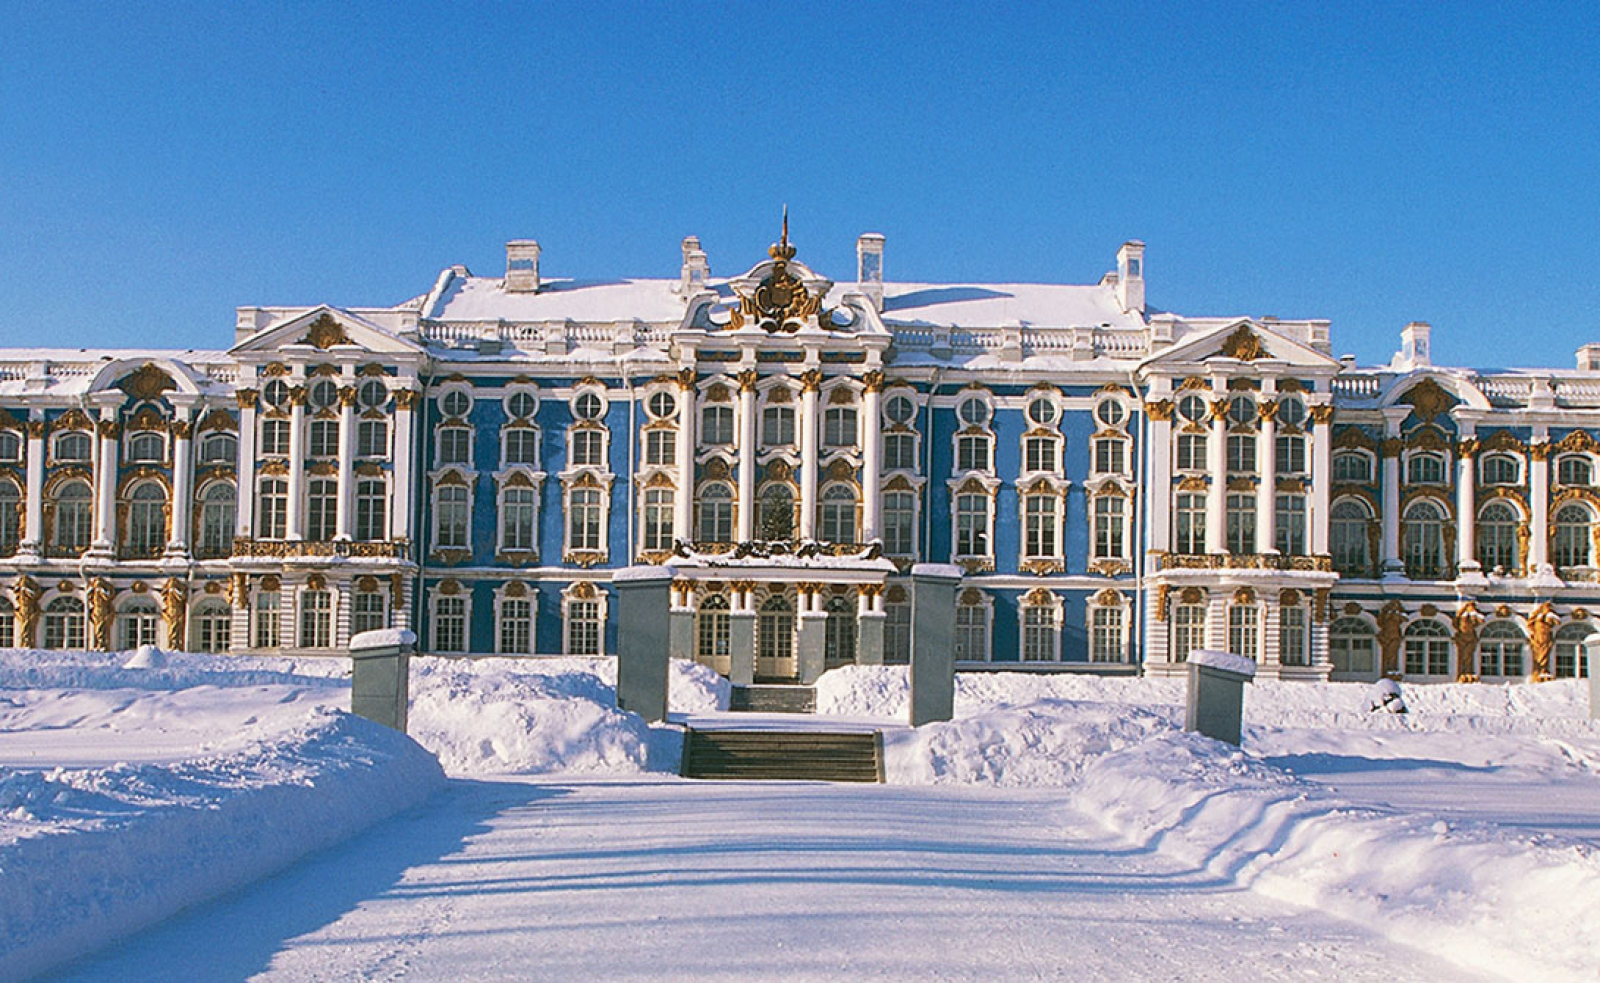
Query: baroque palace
[[1119, 484]]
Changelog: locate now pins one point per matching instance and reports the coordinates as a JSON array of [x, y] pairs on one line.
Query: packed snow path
[[660, 879]]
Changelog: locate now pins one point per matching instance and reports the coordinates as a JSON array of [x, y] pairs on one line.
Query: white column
[[1539, 502], [105, 503], [808, 453], [297, 463], [1217, 494], [747, 455], [1392, 564], [1466, 508], [182, 482], [871, 452], [345, 508], [1267, 491], [683, 500], [1321, 476], [245, 500], [405, 402], [1159, 451], [33, 515]]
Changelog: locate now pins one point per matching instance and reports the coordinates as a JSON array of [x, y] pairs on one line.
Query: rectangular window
[[369, 612], [1293, 649], [214, 629], [1040, 523], [1241, 524], [273, 522], [716, 425], [1190, 524], [518, 508], [516, 626], [899, 523], [900, 452], [897, 634], [274, 436], [1192, 452], [583, 628], [522, 447], [451, 516], [1244, 631], [372, 501], [583, 530], [322, 497], [1039, 634], [1291, 454], [1039, 454], [323, 438], [455, 445], [839, 427], [972, 633], [1188, 630], [972, 525], [777, 426], [1110, 456], [1108, 528], [1241, 454], [316, 619], [1107, 641], [372, 438], [268, 620], [450, 624], [659, 446], [972, 453], [1291, 525], [588, 448]]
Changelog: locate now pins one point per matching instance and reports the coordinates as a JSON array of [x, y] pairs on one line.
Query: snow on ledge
[[949, 570], [1225, 661], [645, 572], [382, 638]]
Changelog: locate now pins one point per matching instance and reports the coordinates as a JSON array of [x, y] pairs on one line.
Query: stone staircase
[[783, 755], [767, 698]]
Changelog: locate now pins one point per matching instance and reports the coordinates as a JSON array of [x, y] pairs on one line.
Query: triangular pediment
[[1246, 341], [323, 328]]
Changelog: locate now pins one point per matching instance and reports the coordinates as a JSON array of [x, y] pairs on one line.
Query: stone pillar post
[[871, 454], [32, 544], [1159, 500], [344, 509], [747, 458], [683, 498], [811, 646], [1267, 490], [742, 635], [405, 411], [810, 383], [681, 633], [296, 513], [182, 483], [1539, 505], [1217, 494], [105, 472], [933, 642], [1321, 476], [869, 625], [1393, 566], [643, 643], [1467, 566], [245, 501]]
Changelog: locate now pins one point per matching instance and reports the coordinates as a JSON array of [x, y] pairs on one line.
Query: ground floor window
[[1040, 633], [583, 627], [972, 633], [1108, 638], [1244, 630], [839, 640], [1427, 645], [897, 634], [450, 624], [1293, 645], [213, 627], [369, 611], [136, 625], [1569, 655], [1352, 648], [63, 624], [516, 626], [8, 624], [316, 619], [1500, 650], [713, 631], [268, 624], [1188, 630]]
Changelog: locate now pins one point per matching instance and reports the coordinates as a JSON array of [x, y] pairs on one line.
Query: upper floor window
[[455, 403], [1291, 411], [1352, 466], [1574, 469], [452, 516], [1039, 454], [972, 452], [372, 500], [323, 438], [973, 412], [1425, 468], [777, 426], [716, 425], [1348, 538], [275, 394], [659, 446], [1192, 408], [1241, 524], [521, 447], [588, 406], [274, 436], [1241, 411], [10, 446], [1499, 469], [372, 394], [661, 405], [1189, 527], [1042, 411], [146, 447], [1192, 452], [1422, 535], [73, 446], [1041, 525], [972, 524], [716, 513], [272, 518], [1290, 523], [588, 448], [899, 523], [899, 409], [1110, 455], [658, 519], [219, 448], [322, 394], [1241, 453], [455, 445], [839, 427], [372, 438], [1291, 459], [900, 451], [838, 514], [1109, 527], [1110, 412]]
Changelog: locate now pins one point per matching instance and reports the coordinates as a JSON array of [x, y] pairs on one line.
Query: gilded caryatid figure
[[173, 597], [25, 601], [1542, 624], [100, 614], [1391, 622], [1468, 622]]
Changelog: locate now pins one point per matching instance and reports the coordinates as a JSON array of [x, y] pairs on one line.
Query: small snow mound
[[1385, 697], [1225, 661], [146, 657]]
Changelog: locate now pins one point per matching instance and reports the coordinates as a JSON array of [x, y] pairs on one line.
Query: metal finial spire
[[785, 239]]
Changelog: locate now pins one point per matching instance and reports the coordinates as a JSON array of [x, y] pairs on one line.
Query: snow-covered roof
[[992, 304]]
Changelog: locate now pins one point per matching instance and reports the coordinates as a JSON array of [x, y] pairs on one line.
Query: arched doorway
[[775, 654]]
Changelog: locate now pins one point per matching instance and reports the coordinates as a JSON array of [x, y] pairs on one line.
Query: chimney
[[1414, 340], [692, 278], [1130, 277], [869, 267], [522, 266], [1589, 357]]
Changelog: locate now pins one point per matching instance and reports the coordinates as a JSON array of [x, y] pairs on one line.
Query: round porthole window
[[973, 412], [899, 409], [1110, 412], [588, 406], [455, 403], [661, 405], [1042, 411]]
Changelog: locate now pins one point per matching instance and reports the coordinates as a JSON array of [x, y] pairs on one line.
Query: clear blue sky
[[165, 163]]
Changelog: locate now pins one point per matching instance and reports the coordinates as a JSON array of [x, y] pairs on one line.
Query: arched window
[[838, 514], [1352, 647], [1423, 533], [1352, 466], [273, 516], [145, 447], [211, 626], [136, 623], [1188, 630], [716, 513], [10, 519], [1500, 649], [1575, 470], [1569, 656], [518, 508], [218, 508], [1497, 536], [777, 513], [63, 623], [657, 514], [147, 519], [73, 446], [1573, 538], [839, 638], [1426, 468], [74, 517], [712, 635], [1499, 469], [899, 523], [1347, 538], [219, 448], [1427, 645], [775, 638]]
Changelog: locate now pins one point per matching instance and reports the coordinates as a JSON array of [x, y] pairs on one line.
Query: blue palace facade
[[1118, 484]]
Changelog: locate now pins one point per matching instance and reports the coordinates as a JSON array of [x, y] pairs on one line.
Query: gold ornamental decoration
[[324, 333], [100, 614], [781, 302], [147, 382], [1243, 345], [1428, 399]]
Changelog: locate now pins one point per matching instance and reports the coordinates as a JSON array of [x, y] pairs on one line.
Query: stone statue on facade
[[172, 611], [99, 613], [25, 601], [1391, 622], [1542, 623], [1467, 622]]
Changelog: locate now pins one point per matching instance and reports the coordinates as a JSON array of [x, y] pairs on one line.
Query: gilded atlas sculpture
[[781, 303]]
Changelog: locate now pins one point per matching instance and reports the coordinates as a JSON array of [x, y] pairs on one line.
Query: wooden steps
[[783, 756], [773, 699]]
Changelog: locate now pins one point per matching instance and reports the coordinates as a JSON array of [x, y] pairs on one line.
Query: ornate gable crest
[[780, 303], [324, 333], [1428, 399], [146, 382], [1244, 345]]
